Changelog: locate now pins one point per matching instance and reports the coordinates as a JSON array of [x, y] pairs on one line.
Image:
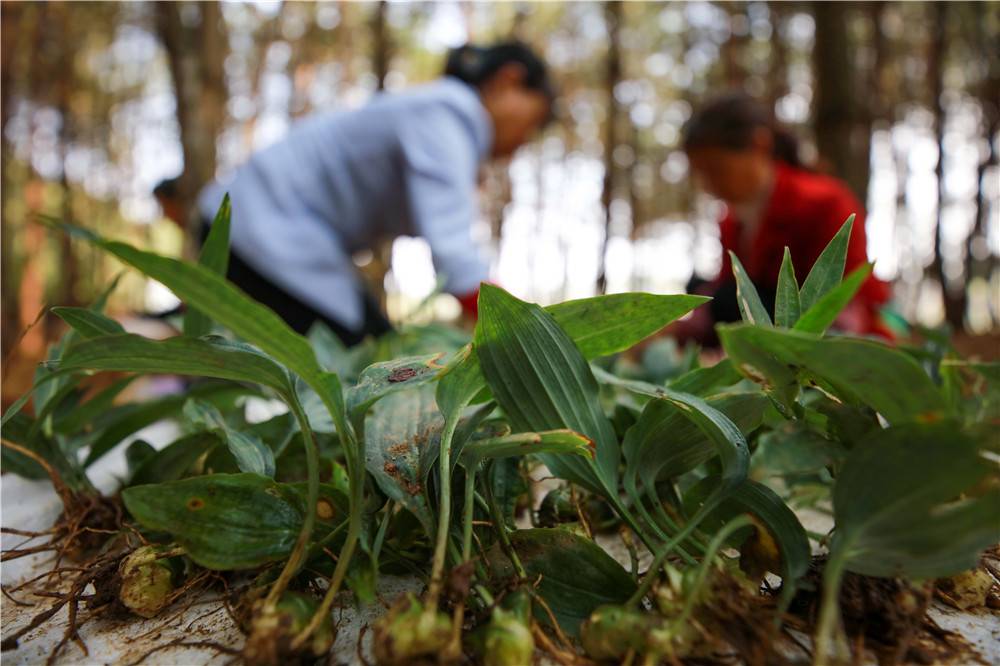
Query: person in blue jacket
[[404, 164]]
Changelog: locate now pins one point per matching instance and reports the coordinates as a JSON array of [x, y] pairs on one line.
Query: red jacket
[[804, 212]]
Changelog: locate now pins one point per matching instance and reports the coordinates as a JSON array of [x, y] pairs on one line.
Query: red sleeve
[[841, 205], [470, 304]]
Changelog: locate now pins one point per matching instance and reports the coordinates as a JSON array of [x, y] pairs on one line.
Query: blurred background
[[101, 101]]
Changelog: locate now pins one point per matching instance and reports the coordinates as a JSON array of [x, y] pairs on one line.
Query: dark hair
[[167, 189], [729, 121], [475, 65]]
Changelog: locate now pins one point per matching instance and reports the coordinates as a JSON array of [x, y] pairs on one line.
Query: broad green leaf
[[604, 325], [230, 521], [113, 427], [380, 379], [770, 511], [174, 460], [249, 452], [786, 299], [215, 257], [84, 415], [828, 270], [542, 382], [180, 355], [577, 576], [825, 310], [87, 323], [706, 381], [752, 310], [555, 442], [794, 448], [205, 290], [911, 501], [402, 440], [858, 371], [22, 429], [668, 440]]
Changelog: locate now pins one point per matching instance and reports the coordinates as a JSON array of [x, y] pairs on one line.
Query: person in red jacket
[[740, 155]]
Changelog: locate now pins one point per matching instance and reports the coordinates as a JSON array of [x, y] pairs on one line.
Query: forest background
[[101, 101]]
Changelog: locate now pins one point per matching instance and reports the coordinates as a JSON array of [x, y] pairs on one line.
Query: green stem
[[829, 646], [355, 473], [380, 535], [661, 557], [297, 556], [501, 528], [444, 509], [469, 509], [713, 547]]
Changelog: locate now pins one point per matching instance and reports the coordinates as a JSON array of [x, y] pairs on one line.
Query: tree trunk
[[843, 134], [952, 293], [196, 56], [381, 44], [614, 14]]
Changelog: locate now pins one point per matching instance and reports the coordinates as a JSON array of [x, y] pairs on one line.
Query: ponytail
[[476, 65], [730, 120]]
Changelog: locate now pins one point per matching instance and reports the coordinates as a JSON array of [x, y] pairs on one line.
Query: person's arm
[[441, 164]]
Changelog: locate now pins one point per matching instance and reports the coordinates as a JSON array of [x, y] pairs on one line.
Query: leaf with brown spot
[[402, 439]]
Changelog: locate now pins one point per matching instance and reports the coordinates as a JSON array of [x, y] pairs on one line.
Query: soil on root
[[887, 616]]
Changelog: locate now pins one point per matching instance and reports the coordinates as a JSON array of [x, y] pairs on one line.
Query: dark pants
[[297, 314]]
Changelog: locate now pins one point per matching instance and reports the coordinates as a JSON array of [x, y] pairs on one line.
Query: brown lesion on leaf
[[401, 375], [399, 449], [324, 510], [195, 504], [410, 486]]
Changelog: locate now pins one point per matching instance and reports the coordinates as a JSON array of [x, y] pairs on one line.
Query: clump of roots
[[885, 615]]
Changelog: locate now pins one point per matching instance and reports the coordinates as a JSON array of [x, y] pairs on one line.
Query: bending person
[[738, 154], [405, 164]]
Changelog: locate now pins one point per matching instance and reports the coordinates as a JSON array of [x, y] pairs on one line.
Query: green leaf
[[229, 521], [120, 422], [402, 437], [557, 442], [380, 379], [906, 503], [751, 309], [84, 415], [180, 355], [858, 371], [786, 300], [706, 381], [577, 576], [828, 270], [87, 323], [604, 325], [174, 460], [794, 448], [250, 453], [825, 310], [669, 440], [215, 257], [542, 382], [771, 512], [203, 289]]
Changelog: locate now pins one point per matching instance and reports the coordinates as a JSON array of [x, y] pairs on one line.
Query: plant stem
[[469, 509], [444, 510], [501, 528], [713, 547], [297, 555], [380, 535], [355, 473], [829, 647], [661, 557]]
